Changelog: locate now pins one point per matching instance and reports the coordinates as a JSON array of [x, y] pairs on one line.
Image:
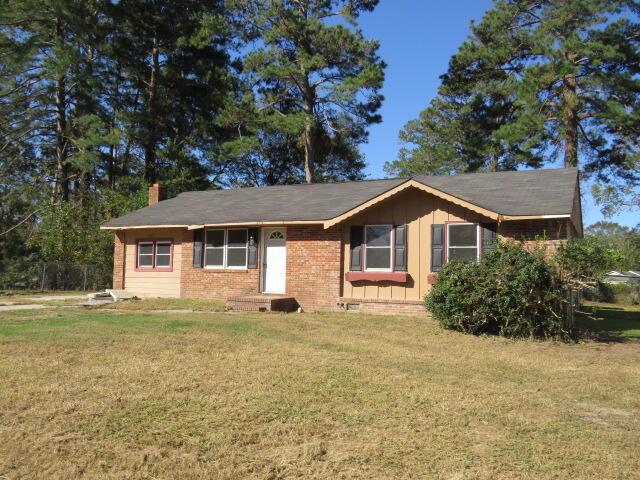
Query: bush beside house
[[510, 292]]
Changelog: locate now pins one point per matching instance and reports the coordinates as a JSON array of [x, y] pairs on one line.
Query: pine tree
[[314, 78], [568, 68], [44, 122], [171, 78]]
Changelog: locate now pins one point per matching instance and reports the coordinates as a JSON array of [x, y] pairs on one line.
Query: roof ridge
[[305, 185], [499, 172], [369, 180]]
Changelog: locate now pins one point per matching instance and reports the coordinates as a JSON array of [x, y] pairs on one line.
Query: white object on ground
[[120, 294]]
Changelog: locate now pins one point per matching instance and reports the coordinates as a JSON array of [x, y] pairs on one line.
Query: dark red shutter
[[400, 249], [437, 247], [357, 235]]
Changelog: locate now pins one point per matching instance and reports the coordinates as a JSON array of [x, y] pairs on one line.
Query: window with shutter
[[463, 242], [378, 249]]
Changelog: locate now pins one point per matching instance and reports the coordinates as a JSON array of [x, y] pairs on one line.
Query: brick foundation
[[384, 307]]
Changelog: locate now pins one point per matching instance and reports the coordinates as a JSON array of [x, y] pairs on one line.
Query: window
[[378, 247], [463, 242], [226, 248], [154, 254], [163, 254], [145, 254], [214, 249], [237, 248]]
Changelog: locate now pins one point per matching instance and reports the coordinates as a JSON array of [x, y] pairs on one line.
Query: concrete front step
[[262, 303]]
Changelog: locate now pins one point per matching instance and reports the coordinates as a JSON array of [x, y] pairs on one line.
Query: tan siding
[[418, 210], [153, 283]]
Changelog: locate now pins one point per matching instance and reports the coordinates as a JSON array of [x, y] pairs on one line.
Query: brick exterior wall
[[314, 266], [118, 261], [385, 307], [548, 234], [214, 284], [313, 271]]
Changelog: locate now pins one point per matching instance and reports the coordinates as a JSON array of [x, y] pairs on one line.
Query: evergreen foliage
[[312, 76], [99, 99], [535, 82], [510, 292]]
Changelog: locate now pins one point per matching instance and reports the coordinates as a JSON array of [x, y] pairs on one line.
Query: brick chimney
[[157, 193]]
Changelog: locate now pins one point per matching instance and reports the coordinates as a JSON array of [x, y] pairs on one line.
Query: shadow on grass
[[609, 323]]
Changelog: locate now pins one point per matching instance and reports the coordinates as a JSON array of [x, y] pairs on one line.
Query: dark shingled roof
[[531, 192]]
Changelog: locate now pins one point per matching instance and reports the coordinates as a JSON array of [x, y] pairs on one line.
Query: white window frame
[[390, 247], [152, 255], [478, 246], [156, 254], [225, 248], [207, 247]]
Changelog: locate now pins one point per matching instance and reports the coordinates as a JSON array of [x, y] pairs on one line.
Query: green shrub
[[587, 258], [510, 292]]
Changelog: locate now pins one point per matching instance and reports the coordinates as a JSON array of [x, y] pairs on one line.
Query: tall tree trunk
[[309, 152], [151, 140], [61, 186], [310, 137], [494, 166], [111, 163], [570, 108]]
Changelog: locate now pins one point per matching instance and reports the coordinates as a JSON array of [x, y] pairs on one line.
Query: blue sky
[[417, 39]]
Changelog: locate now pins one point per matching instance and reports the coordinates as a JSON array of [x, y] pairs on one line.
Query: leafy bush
[[510, 292], [587, 258]]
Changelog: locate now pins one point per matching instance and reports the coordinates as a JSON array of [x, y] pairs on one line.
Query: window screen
[[163, 254], [462, 242], [378, 247], [145, 254], [237, 248], [214, 248]]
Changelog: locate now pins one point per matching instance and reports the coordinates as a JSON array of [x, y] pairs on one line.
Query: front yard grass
[[125, 394], [609, 321]]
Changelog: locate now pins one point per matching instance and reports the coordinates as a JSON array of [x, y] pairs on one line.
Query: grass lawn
[[124, 394], [610, 321]]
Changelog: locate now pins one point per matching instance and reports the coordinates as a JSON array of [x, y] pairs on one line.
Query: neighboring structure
[[630, 277], [370, 245]]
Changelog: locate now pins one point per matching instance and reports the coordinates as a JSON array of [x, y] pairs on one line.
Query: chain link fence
[[57, 276]]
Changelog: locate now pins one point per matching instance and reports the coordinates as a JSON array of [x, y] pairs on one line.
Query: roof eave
[[259, 223]]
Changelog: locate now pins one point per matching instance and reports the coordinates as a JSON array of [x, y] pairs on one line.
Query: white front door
[[275, 260]]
